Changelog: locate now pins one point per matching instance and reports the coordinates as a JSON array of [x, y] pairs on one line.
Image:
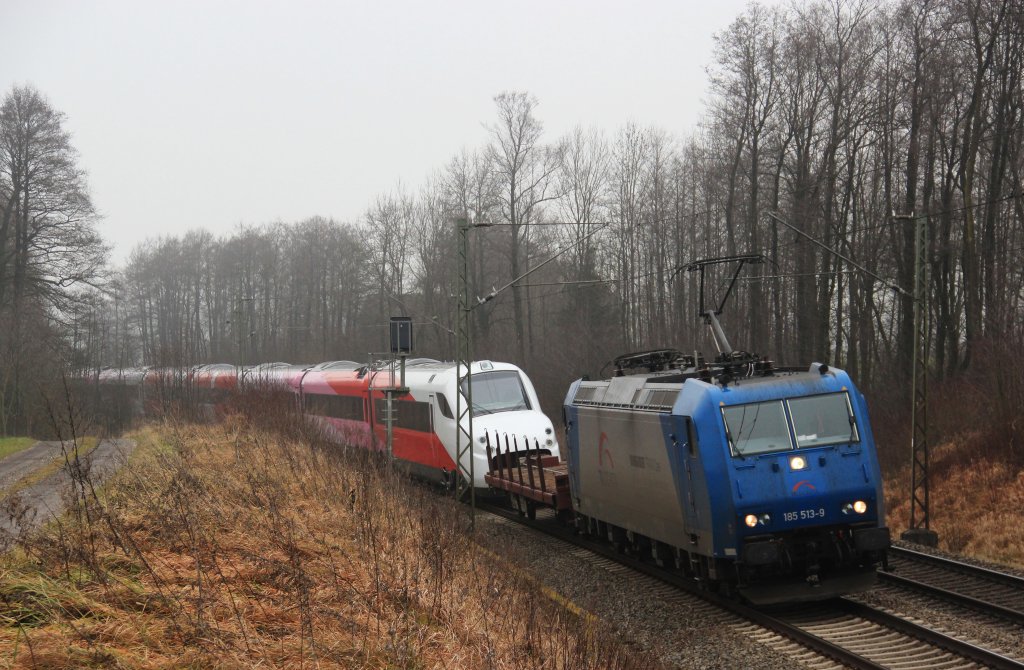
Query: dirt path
[[25, 462], [34, 505]]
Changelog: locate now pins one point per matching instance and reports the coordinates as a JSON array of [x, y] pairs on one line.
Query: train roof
[[214, 369], [129, 376], [335, 365], [273, 373], [419, 372], [658, 391]]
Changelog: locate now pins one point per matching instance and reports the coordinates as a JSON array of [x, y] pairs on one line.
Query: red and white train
[[350, 399]]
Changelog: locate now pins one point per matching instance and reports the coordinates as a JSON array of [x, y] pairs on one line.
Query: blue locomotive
[[745, 475]]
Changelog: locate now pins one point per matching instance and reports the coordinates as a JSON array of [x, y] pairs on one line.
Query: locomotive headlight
[[797, 463], [754, 520], [858, 506], [549, 442], [548, 431]]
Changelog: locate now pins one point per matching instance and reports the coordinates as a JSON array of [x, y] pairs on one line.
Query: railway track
[[879, 639], [987, 591], [840, 631]]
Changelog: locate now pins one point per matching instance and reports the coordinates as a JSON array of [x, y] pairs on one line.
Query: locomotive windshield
[[763, 427], [497, 391], [823, 419], [757, 428]]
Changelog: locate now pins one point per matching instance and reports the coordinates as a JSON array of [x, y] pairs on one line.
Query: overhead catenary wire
[[566, 283], [798, 274], [567, 286], [584, 283], [486, 224], [852, 262], [853, 230], [710, 211], [495, 292]]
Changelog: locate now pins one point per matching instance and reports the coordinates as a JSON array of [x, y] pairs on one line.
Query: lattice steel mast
[[464, 476], [919, 529]]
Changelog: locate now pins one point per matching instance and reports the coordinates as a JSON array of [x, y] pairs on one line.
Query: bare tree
[[389, 224], [48, 241], [748, 89], [470, 189], [629, 152], [524, 169]]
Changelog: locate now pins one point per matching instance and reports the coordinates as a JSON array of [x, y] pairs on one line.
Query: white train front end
[[505, 414]]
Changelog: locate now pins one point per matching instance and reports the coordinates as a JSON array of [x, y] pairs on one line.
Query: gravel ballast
[[681, 630]]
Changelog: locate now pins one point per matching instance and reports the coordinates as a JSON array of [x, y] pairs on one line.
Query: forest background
[[841, 117]]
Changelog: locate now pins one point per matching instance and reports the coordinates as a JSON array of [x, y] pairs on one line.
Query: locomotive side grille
[[629, 395], [662, 398], [585, 394]]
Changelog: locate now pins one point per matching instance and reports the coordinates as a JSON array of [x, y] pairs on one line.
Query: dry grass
[[235, 546], [975, 502], [976, 433]]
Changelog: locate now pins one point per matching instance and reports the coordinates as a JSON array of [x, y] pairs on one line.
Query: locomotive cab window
[[498, 391], [757, 428], [823, 419], [446, 409]]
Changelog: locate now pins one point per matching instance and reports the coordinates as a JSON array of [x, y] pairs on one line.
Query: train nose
[[518, 441], [528, 431]]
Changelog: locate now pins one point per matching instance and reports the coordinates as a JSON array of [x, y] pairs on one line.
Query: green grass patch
[[12, 445], [36, 599]]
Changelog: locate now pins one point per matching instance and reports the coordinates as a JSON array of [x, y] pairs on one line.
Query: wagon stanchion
[[520, 502], [508, 458], [490, 460], [525, 494], [519, 462], [497, 453], [536, 446], [507, 467], [529, 465]]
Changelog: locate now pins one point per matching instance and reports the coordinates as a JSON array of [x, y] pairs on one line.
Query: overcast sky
[[202, 114]]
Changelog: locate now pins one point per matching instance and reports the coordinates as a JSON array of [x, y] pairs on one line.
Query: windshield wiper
[[734, 443]]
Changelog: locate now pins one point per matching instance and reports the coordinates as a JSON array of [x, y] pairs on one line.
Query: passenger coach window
[[334, 406], [408, 415], [823, 419], [498, 391], [757, 428]]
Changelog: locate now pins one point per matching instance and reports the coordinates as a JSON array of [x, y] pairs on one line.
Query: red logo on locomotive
[[803, 482], [602, 451]]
